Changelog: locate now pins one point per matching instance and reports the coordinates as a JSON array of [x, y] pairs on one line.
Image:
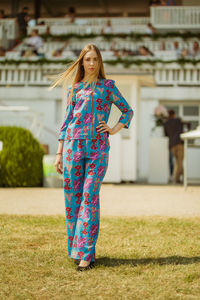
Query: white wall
[[146, 123]]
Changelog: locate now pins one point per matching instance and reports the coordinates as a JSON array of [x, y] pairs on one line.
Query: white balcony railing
[[176, 17], [165, 74], [96, 21]]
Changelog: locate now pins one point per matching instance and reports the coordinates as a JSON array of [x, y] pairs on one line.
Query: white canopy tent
[[193, 134]]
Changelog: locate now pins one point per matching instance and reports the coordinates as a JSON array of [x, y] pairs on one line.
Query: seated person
[[108, 28], [195, 50], [35, 42], [150, 29], [154, 2], [144, 51]]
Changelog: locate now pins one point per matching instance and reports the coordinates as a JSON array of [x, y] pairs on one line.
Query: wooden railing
[[164, 74]]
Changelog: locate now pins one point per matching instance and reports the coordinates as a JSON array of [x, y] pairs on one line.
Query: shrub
[[20, 158]]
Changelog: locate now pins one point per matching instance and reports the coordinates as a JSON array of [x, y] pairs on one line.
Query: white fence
[[164, 74], [176, 17]]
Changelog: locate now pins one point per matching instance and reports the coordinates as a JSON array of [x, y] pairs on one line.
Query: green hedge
[[20, 159]]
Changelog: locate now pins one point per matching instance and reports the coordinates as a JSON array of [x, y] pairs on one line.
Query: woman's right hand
[[58, 164]]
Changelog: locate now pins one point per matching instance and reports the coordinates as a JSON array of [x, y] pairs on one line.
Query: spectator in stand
[[2, 14], [59, 52], [150, 29], [177, 49], [173, 128], [170, 2], [163, 3], [108, 28], [195, 52], [184, 53], [2, 52], [34, 43], [71, 14], [32, 22], [144, 51], [154, 2], [22, 20]]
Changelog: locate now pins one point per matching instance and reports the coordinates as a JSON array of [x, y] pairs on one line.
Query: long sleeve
[[68, 116], [121, 103]]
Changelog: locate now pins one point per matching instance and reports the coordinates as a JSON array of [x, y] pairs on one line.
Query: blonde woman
[[83, 149]]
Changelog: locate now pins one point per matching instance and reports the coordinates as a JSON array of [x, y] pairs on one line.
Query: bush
[[20, 158]]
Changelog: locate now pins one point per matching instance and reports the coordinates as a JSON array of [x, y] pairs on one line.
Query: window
[[191, 110]]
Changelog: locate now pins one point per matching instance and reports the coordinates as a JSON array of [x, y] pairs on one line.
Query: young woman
[[83, 149]]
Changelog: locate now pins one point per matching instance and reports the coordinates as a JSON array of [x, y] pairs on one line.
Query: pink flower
[[95, 200], [105, 107], [77, 156], [76, 133], [100, 171], [81, 242], [102, 145], [94, 155], [88, 183], [76, 212], [94, 229], [87, 118], [78, 104], [86, 213], [160, 110], [80, 254], [108, 83], [77, 184]]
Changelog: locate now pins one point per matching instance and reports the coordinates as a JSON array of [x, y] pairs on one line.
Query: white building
[[134, 156]]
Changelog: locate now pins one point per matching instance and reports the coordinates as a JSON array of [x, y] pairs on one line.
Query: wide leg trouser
[[84, 166]]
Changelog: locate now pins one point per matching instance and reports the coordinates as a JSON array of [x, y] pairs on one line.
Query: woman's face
[[90, 62]]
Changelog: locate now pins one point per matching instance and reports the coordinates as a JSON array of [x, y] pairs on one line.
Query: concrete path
[[116, 200]]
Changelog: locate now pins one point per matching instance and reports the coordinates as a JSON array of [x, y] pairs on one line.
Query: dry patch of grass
[[152, 258]]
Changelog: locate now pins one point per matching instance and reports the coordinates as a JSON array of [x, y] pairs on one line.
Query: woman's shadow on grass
[[170, 260]]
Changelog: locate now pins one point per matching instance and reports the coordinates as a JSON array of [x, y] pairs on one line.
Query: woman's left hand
[[103, 127]]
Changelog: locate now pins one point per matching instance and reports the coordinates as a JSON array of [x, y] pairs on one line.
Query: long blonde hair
[[75, 72]]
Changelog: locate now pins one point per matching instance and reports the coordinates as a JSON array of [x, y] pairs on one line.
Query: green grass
[[136, 258]]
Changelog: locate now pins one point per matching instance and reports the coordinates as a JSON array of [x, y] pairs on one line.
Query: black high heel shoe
[[76, 261], [90, 266]]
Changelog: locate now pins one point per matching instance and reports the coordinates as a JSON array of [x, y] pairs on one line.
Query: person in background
[[2, 52], [71, 14], [22, 20], [2, 14], [144, 51], [170, 2], [184, 53], [107, 29], [154, 2], [173, 127], [195, 49], [34, 44], [163, 3], [59, 52], [150, 29]]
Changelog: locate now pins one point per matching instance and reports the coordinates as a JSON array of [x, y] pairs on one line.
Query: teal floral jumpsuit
[[85, 161]]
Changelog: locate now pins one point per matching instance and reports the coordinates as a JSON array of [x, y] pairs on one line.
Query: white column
[[129, 145]]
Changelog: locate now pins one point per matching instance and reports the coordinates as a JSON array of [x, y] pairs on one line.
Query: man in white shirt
[[35, 41]]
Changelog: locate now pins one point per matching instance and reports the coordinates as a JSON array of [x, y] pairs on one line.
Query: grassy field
[[136, 258]]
